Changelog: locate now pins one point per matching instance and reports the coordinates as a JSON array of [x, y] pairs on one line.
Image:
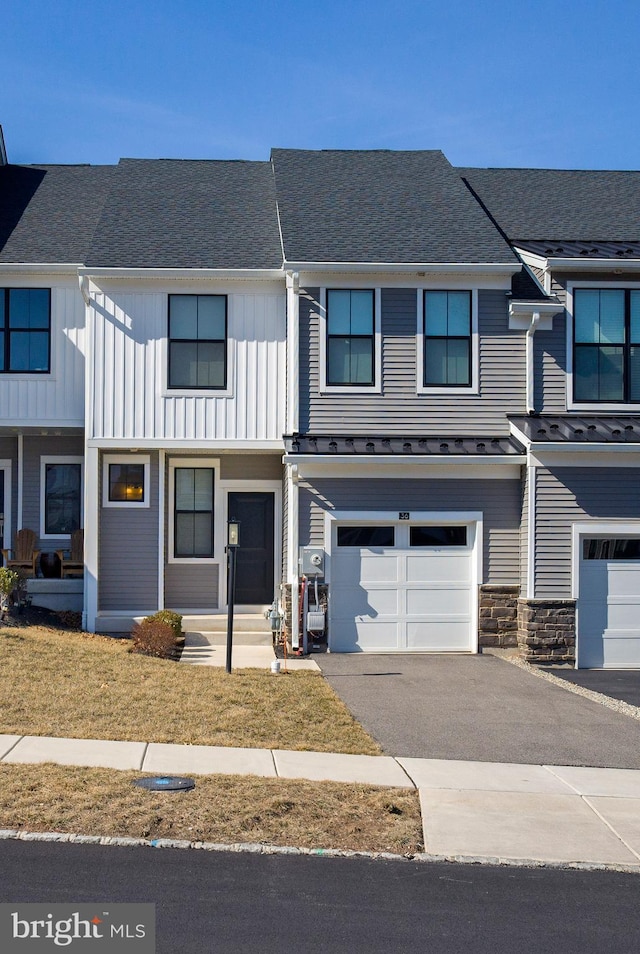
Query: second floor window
[[350, 337], [606, 349], [198, 341], [25, 330], [447, 339]]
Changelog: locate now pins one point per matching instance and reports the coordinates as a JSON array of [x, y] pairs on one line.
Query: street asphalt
[[478, 708]]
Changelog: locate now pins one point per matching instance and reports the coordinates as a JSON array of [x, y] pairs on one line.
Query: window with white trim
[[606, 345], [60, 496], [197, 342], [125, 481], [447, 341], [25, 330], [350, 341], [193, 535]]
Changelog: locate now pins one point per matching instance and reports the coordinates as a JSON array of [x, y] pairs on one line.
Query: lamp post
[[233, 541]]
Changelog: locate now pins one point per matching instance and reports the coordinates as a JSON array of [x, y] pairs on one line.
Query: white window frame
[[58, 459], [109, 459], [207, 463], [617, 406], [451, 389], [376, 387], [168, 392]]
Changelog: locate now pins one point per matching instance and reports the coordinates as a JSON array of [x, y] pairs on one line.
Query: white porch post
[[91, 521], [292, 550]]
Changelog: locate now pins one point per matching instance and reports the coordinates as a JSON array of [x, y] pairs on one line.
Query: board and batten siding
[[128, 367], [128, 552], [399, 408], [565, 495], [57, 398], [499, 501], [34, 448]]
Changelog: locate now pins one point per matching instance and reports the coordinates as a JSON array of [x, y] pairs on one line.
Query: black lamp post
[[233, 541]]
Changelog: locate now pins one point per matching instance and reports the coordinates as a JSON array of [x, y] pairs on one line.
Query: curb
[[266, 849]]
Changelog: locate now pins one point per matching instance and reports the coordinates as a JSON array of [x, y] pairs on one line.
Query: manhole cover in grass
[[165, 783]]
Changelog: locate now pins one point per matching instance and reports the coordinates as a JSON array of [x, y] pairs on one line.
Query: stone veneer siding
[[547, 630], [498, 614]]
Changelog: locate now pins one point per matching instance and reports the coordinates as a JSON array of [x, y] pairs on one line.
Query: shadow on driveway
[[478, 708]]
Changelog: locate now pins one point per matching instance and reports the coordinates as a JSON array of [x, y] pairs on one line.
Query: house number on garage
[[404, 515]]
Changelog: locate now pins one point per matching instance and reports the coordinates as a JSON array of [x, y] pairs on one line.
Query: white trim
[[181, 444], [293, 543], [91, 497], [531, 532], [7, 535], [20, 508], [471, 519], [200, 274], [109, 459], [609, 528], [46, 459], [451, 390], [506, 268], [376, 387], [594, 264], [293, 344], [616, 407], [206, 463], [236, 486], [43, 268], [226, 392], [505, 468], [162, 456]]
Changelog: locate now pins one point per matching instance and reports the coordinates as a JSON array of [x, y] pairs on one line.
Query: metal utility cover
[[165, 783]]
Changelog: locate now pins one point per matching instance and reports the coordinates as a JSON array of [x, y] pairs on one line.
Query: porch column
[[91, 522]]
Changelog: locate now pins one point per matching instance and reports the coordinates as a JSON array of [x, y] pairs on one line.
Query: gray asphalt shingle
[[380, 206], [560, 204]]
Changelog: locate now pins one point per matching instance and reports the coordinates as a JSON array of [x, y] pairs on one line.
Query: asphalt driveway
[[621, 684], [478, 708]]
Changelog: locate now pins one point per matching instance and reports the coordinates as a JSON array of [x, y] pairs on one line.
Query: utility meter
[[312, 561]]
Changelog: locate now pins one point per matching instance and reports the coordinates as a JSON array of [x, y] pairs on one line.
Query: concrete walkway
[[248, 651], [471, 810]]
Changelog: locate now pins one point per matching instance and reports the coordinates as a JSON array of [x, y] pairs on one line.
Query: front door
[[255, 557]]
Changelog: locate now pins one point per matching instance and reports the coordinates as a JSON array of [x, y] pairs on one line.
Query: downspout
[[530, 381]]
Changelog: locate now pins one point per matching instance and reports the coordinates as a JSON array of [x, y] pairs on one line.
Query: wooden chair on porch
[[73, 564], [25, 555]]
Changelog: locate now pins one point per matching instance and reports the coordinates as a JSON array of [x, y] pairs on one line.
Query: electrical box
[[312, 561]]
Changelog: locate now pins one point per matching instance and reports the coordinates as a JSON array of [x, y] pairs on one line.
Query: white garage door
[[609, 604], [401, 587]]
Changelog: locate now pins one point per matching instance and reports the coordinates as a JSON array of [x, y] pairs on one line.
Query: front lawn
[[68, 684]]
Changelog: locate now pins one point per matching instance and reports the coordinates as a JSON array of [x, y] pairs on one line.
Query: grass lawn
[[69, 684], [223, 809]]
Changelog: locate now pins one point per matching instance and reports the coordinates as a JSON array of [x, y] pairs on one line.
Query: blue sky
[[494, 83]]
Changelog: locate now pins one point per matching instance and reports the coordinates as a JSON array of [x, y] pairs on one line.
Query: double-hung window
[[61, 496], [606, 345], [350, 338], [198, 342], [193, 512], [25, 330], [447, 359]]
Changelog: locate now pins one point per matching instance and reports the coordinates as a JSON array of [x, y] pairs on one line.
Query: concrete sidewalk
[[471, 810]]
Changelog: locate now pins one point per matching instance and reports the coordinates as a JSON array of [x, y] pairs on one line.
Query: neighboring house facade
[[429, 374]]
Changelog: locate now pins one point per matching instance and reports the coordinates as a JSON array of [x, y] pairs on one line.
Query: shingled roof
[[560, 204], [178, 213], [48, 214], [379, 206]]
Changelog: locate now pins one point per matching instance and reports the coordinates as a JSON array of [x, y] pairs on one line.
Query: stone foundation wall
[[547, 630], [498, 615]]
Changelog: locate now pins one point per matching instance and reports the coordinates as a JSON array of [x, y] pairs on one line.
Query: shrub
[[153, 637], [173, 619], [9, 580]]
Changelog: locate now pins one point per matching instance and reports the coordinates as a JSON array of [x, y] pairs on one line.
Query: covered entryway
[[402, 585], [608, 610]]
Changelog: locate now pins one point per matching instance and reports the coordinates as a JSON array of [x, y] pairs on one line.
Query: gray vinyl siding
[[34, 448], [499, 500], [550, 367], [128, 552], [399, 408], [565, 495], [191, 586], [250, 466]]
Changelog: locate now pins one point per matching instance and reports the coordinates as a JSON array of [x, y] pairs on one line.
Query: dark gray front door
[[254, 566]]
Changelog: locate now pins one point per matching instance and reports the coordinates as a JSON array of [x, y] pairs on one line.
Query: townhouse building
[[430, 375]]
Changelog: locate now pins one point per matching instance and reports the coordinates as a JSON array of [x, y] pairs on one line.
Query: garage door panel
[[357, 602], [439, 635], [438, 600], [373, 635], [438, 567], [609, 614], [377, 568]]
